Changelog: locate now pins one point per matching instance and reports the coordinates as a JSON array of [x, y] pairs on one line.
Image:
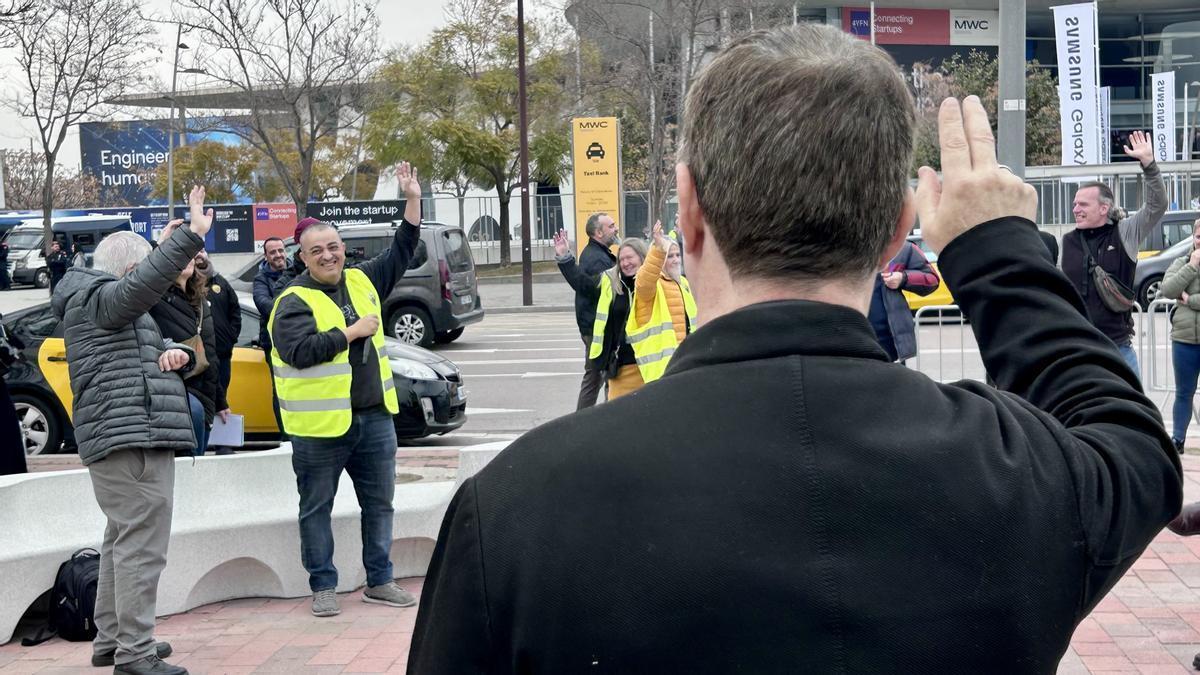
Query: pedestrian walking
[[57, 263], [5, 279], [1181, 283], [227, 323], [337, 397], [596, 257], [1100, 255], [266, 287], [889, 314], [185, 316], [130, 416], [609, 351], [784, 499], [664, 307]]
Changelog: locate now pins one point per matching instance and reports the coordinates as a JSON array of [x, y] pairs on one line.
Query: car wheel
[[411, 325], [40, 428], [449, 336], [1149, 291], [42, 278]]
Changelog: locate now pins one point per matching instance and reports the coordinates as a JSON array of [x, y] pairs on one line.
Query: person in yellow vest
[[612, 292], [337, 397], [664, 309]]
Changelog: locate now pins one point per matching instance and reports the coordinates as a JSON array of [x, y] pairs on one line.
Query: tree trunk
[[462, 212], [505, 234], [48, 205]]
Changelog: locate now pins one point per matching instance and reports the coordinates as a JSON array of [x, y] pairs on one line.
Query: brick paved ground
[[1150, 623]]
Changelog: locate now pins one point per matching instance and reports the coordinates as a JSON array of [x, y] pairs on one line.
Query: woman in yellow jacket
[[664, 309], [612, 291]]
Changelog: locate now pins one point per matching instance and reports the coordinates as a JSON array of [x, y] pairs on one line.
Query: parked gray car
[[438, 295], [1150, 271]]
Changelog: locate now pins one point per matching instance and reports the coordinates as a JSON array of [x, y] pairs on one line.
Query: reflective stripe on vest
[[315, 402], [598, 326], [654, 343]]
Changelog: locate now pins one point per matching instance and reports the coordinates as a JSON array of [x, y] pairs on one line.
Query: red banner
[[273, 220], [899, 26]]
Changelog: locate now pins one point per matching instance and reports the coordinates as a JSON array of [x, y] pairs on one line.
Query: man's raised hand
[[561, 245], [974, 188], [1139, 148], [406, 176], [201, 219]]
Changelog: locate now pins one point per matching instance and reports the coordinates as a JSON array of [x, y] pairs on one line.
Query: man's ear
[[904, 225], [691, 218]]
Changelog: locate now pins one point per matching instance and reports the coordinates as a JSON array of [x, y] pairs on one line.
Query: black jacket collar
[[779, 328]]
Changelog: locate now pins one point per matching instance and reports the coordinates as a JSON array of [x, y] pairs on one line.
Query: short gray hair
[[800, 143], [118, 251], [593, 223], [318, 226]]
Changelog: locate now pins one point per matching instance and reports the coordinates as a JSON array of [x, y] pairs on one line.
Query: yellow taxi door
[[52, 361]]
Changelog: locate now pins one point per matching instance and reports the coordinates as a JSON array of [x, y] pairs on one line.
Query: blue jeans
[[198, 425], [1130, 357], [1186, 359], [368, 453]]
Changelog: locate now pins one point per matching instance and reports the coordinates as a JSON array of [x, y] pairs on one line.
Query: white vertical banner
[[1106, 124], [1078, 93], [1162, 87]]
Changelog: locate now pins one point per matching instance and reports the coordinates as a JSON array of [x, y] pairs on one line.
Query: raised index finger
[[952, 137], [979, 134]]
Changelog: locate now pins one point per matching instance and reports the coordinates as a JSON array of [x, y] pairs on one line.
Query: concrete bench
[[233, 534]]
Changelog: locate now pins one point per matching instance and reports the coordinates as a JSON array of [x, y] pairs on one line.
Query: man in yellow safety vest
[[337, 397]]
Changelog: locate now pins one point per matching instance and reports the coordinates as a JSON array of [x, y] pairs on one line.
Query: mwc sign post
[[596, 155], [924, 26]]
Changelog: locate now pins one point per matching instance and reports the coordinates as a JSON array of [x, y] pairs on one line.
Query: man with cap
[[337, 397]]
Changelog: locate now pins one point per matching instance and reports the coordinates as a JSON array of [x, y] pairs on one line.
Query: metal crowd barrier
[[961, 359]]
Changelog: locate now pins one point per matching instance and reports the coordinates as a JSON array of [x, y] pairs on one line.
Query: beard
[[672, 273]]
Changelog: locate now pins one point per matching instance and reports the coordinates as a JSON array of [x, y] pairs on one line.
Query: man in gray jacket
[[131, 416]]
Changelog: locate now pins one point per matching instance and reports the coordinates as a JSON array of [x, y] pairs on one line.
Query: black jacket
[[588, 286], [176, 319], [295, 331], [227, 314], [784, 500], [265, 291], [593, 260]]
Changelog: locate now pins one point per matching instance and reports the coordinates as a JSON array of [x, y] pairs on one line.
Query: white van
[[26, 244]]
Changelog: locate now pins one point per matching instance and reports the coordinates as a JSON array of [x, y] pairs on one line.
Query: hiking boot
[[151, 665], [325, 603], [389, 594], [102, 659]]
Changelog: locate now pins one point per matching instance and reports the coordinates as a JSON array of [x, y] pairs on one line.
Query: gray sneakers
[[325, 603], [389, 594]]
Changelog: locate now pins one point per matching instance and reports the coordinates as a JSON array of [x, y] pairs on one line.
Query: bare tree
[[25, 181], [650, 51], [74, 55], [300, 68]]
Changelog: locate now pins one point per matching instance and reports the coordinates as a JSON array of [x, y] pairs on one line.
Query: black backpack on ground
[[72, 600]]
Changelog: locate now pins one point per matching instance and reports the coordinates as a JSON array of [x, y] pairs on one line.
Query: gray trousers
[[135, 489], [593, 380]]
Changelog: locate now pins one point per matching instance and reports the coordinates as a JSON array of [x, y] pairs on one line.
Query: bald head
[[323, 253]]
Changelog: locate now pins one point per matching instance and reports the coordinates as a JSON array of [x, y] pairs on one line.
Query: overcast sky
[[401, 21]]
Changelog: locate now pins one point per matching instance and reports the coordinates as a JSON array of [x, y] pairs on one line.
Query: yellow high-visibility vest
[[315, 402], [654, 342], [598, 326]]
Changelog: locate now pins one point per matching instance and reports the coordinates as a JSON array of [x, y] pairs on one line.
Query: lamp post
[[523, 125], [179, 45]]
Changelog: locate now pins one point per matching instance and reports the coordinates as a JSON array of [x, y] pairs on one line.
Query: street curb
[[538, 278], [533, 309]]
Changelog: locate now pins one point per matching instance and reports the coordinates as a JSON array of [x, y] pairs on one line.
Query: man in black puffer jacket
[[130, 416]]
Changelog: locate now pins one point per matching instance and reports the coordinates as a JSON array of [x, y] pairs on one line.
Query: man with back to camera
[[784, 499], [1104, 234], [337, 397]]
